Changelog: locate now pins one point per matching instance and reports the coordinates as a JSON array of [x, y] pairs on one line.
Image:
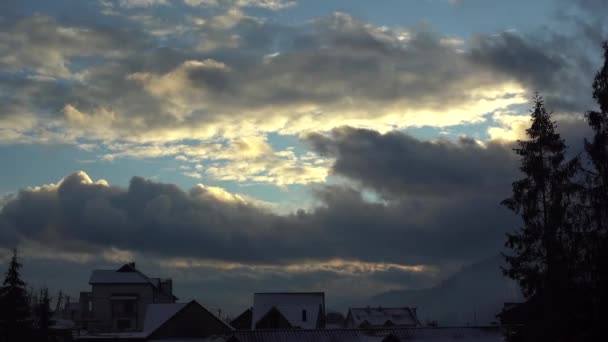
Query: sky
[[351, 147]]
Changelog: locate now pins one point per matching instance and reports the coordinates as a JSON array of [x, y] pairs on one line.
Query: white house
[[119, 298]]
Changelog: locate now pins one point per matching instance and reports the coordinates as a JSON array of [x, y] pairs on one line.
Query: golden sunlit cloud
[[340, 266]]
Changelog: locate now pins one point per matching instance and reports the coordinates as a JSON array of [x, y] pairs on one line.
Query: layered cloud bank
[[334, 72], [131, 83], [430, 206], [413, 211], [80, 216], [405, 215]]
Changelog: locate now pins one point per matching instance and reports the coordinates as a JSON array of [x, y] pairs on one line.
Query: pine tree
[[43, 313], [14, 307], [597, 150], [541, 247], [598, 120]]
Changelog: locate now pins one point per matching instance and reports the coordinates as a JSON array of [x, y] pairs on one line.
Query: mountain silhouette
[[471, 296]]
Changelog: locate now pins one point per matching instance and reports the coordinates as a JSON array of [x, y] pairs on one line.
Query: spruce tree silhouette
[[43, 313], [597, 150], [539, 259], [14, 307]]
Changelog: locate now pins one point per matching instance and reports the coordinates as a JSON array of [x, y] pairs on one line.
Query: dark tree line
[[559, 256], [24, 315]]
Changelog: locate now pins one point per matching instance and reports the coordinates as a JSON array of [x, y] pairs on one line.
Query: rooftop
[[292, 306], [380, 316]]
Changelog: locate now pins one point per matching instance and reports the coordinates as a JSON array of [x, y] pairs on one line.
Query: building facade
[[118, 299]]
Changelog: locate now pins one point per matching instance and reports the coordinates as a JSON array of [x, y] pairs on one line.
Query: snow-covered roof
[[157, 314], [126, 274], [291, 306], [380, 316], [115, 277]]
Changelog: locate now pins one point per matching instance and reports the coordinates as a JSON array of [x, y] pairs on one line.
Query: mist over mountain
[[473, 296]]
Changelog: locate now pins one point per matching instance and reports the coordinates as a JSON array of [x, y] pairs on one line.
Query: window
[[90, 306], [303, 315]]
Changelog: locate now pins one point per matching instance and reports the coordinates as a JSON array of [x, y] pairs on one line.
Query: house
[[243, 321], [118, 299], [288, 310], [380, 317], [182, 320], [171, 321]]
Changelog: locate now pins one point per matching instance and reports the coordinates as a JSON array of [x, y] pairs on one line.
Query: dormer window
[[303, 315]]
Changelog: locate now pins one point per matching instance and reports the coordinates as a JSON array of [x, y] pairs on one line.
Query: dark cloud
[[400, 165], [42, 45], [338, 64], [413, 224], [442, 199], [556, 65], [558, 60], [333, 69]]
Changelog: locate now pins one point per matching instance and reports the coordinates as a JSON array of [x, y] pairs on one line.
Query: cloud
[[143, 3], [40, 45], [273, 5], [228, 286], [233, 245], [268, 4], [436, 201], [290, 93], [563, 76], [156, 89], [396, 164], [415, 224], [167, 96], [247, 159], [512, 126]]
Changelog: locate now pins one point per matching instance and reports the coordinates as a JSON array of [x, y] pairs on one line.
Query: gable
[[113, 277], [191, 321], [158, 314], [273, 319], [301, 310], [243, 321]]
